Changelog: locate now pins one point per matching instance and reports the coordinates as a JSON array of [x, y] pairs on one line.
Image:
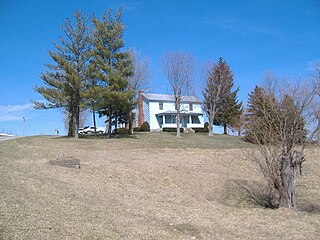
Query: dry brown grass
[[147, 187]]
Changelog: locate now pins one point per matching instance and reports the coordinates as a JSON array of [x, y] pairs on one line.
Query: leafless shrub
[[280, 122]]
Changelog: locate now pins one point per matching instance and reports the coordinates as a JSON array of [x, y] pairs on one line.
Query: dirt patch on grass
[[69, 162]]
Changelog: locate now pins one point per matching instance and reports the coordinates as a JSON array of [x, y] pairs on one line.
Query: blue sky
[[254, 37]]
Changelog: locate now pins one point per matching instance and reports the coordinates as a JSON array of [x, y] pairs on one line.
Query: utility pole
[[24, 126]]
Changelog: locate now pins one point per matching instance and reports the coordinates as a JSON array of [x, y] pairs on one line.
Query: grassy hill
[[150, 186]]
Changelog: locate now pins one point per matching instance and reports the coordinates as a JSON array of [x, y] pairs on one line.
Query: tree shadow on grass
[[245, 193], [308, 206]]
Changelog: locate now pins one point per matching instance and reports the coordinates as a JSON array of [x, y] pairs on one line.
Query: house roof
[[170, 98], [174, 112]]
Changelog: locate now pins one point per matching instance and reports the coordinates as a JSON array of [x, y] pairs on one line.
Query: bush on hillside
[[145, 127], [136, 129]]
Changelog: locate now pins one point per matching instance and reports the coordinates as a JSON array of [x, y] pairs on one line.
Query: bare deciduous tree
[[141, 72], [279, 123], [317, 86], [178, 68], [139, 80]]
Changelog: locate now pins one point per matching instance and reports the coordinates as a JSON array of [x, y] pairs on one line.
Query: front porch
[[187, 120]]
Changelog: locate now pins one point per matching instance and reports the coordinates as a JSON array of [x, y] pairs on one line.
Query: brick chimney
[[141, 113]]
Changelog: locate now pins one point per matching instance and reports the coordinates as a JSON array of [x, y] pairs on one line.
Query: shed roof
[[170, 98]]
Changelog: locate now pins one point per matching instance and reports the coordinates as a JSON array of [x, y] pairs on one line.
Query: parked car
[[90, 130], [80, 130]]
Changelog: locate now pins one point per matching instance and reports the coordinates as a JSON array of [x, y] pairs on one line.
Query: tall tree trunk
[[70, 123], [107, 124], [116, 123], [211, 117], [94, 120], [77, 121], [178, 118], [131, 118], [110, 123], [130, 130], [290, 170], [225, 129]]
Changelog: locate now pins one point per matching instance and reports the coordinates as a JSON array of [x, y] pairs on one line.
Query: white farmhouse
[[159, 111]]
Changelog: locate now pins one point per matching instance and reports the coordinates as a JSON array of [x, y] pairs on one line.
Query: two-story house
[[160, 112]]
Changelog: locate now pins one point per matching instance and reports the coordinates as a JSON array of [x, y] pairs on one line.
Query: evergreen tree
[[236, 123], [212, 93], [65, 79], [229, 112], [91, 93], [220, 101], [259, 117], [292, 123], [112, 68], [229, 107]]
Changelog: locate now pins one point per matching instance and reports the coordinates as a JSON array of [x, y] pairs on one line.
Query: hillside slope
[[151, 186]]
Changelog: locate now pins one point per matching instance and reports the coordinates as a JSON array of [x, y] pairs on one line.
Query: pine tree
[[220, 101], [228, 106], [212, 93], [292, 123], [259, 117], [112, 67], [91, 93], [229, 112], [65, 79]]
